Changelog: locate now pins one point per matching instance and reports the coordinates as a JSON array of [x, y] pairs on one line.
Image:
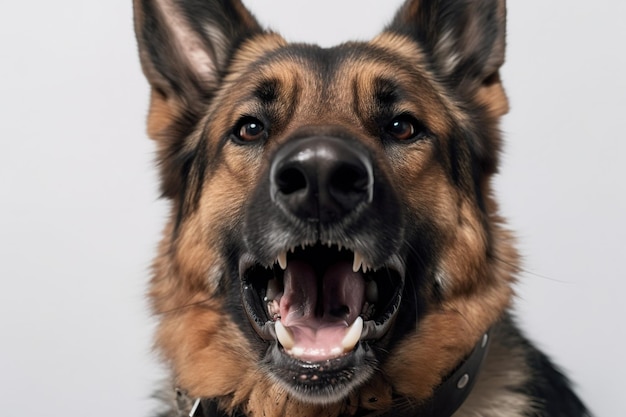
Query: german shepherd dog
[[334, 247]]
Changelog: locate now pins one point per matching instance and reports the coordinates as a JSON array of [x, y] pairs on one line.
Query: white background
[[80, 215]]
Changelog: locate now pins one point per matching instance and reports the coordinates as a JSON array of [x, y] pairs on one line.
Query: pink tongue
[[319, 318]]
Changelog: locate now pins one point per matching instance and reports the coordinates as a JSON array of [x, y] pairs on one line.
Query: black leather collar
[[447, 398]]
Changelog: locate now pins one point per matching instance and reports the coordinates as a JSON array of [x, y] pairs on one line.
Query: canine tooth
[[358, 261], [284, 335], [352, 335], [282, 260], [371, 292], [297, 351]]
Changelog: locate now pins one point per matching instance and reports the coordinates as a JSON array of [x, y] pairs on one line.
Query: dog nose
[[321, 178]]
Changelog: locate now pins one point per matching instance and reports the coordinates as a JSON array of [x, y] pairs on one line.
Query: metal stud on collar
[[465, 378], [463, 381]]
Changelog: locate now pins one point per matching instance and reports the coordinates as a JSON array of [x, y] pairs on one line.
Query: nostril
[[291, 180], [349, 179]]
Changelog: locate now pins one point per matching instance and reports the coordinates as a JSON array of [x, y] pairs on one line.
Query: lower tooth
[[367, 311], [352, 335], [284, 336], [297, 351], [273, 308]]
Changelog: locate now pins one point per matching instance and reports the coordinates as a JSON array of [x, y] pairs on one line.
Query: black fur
[[550, 389], [463, 41]]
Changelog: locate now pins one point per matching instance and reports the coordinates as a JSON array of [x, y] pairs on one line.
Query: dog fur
[[420, 105]]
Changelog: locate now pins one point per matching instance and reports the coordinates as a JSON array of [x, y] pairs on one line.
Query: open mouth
[[319, 302]]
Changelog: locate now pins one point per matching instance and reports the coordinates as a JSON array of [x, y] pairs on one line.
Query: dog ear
[[466, 38], [185, 47]]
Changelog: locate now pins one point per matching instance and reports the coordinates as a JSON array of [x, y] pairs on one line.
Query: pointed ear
[[466, 38], [185, 47]]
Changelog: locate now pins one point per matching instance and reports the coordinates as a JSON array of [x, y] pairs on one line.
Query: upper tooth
[[352, 335], [282, 260], [358, 261], [284, 335]]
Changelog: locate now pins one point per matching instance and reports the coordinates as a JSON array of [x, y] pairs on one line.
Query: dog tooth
[[367, 311], [371, 292], [352, 335], [366, 305], [284, 335], [297, 351], [273, 308], [358, 261], [282, 260]]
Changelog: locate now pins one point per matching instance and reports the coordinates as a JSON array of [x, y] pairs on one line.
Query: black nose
[[321, 178]]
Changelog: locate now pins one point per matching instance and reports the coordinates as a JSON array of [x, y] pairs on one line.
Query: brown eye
[[249, 130], [401, 129], [404, 128]]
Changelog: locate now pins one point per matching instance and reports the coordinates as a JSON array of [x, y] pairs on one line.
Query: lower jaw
[[322, 382]]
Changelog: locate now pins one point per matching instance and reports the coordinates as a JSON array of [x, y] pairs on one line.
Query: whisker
[[529, 272], [184, 306]]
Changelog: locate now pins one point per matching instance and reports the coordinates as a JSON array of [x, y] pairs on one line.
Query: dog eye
[[249, 130], [405, 128]]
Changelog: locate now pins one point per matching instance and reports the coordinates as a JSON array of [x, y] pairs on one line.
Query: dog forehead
[[337, 80], [269, 56]]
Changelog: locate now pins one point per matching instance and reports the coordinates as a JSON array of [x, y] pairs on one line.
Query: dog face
[[333, 243]]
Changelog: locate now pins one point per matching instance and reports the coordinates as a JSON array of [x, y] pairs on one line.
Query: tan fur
[[213, 360], [161, 115], [210, 355]]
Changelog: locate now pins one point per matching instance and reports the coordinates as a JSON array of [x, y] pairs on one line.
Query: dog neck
[[447, 398]]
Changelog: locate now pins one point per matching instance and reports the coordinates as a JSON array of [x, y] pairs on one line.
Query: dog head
[[332, 237]]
